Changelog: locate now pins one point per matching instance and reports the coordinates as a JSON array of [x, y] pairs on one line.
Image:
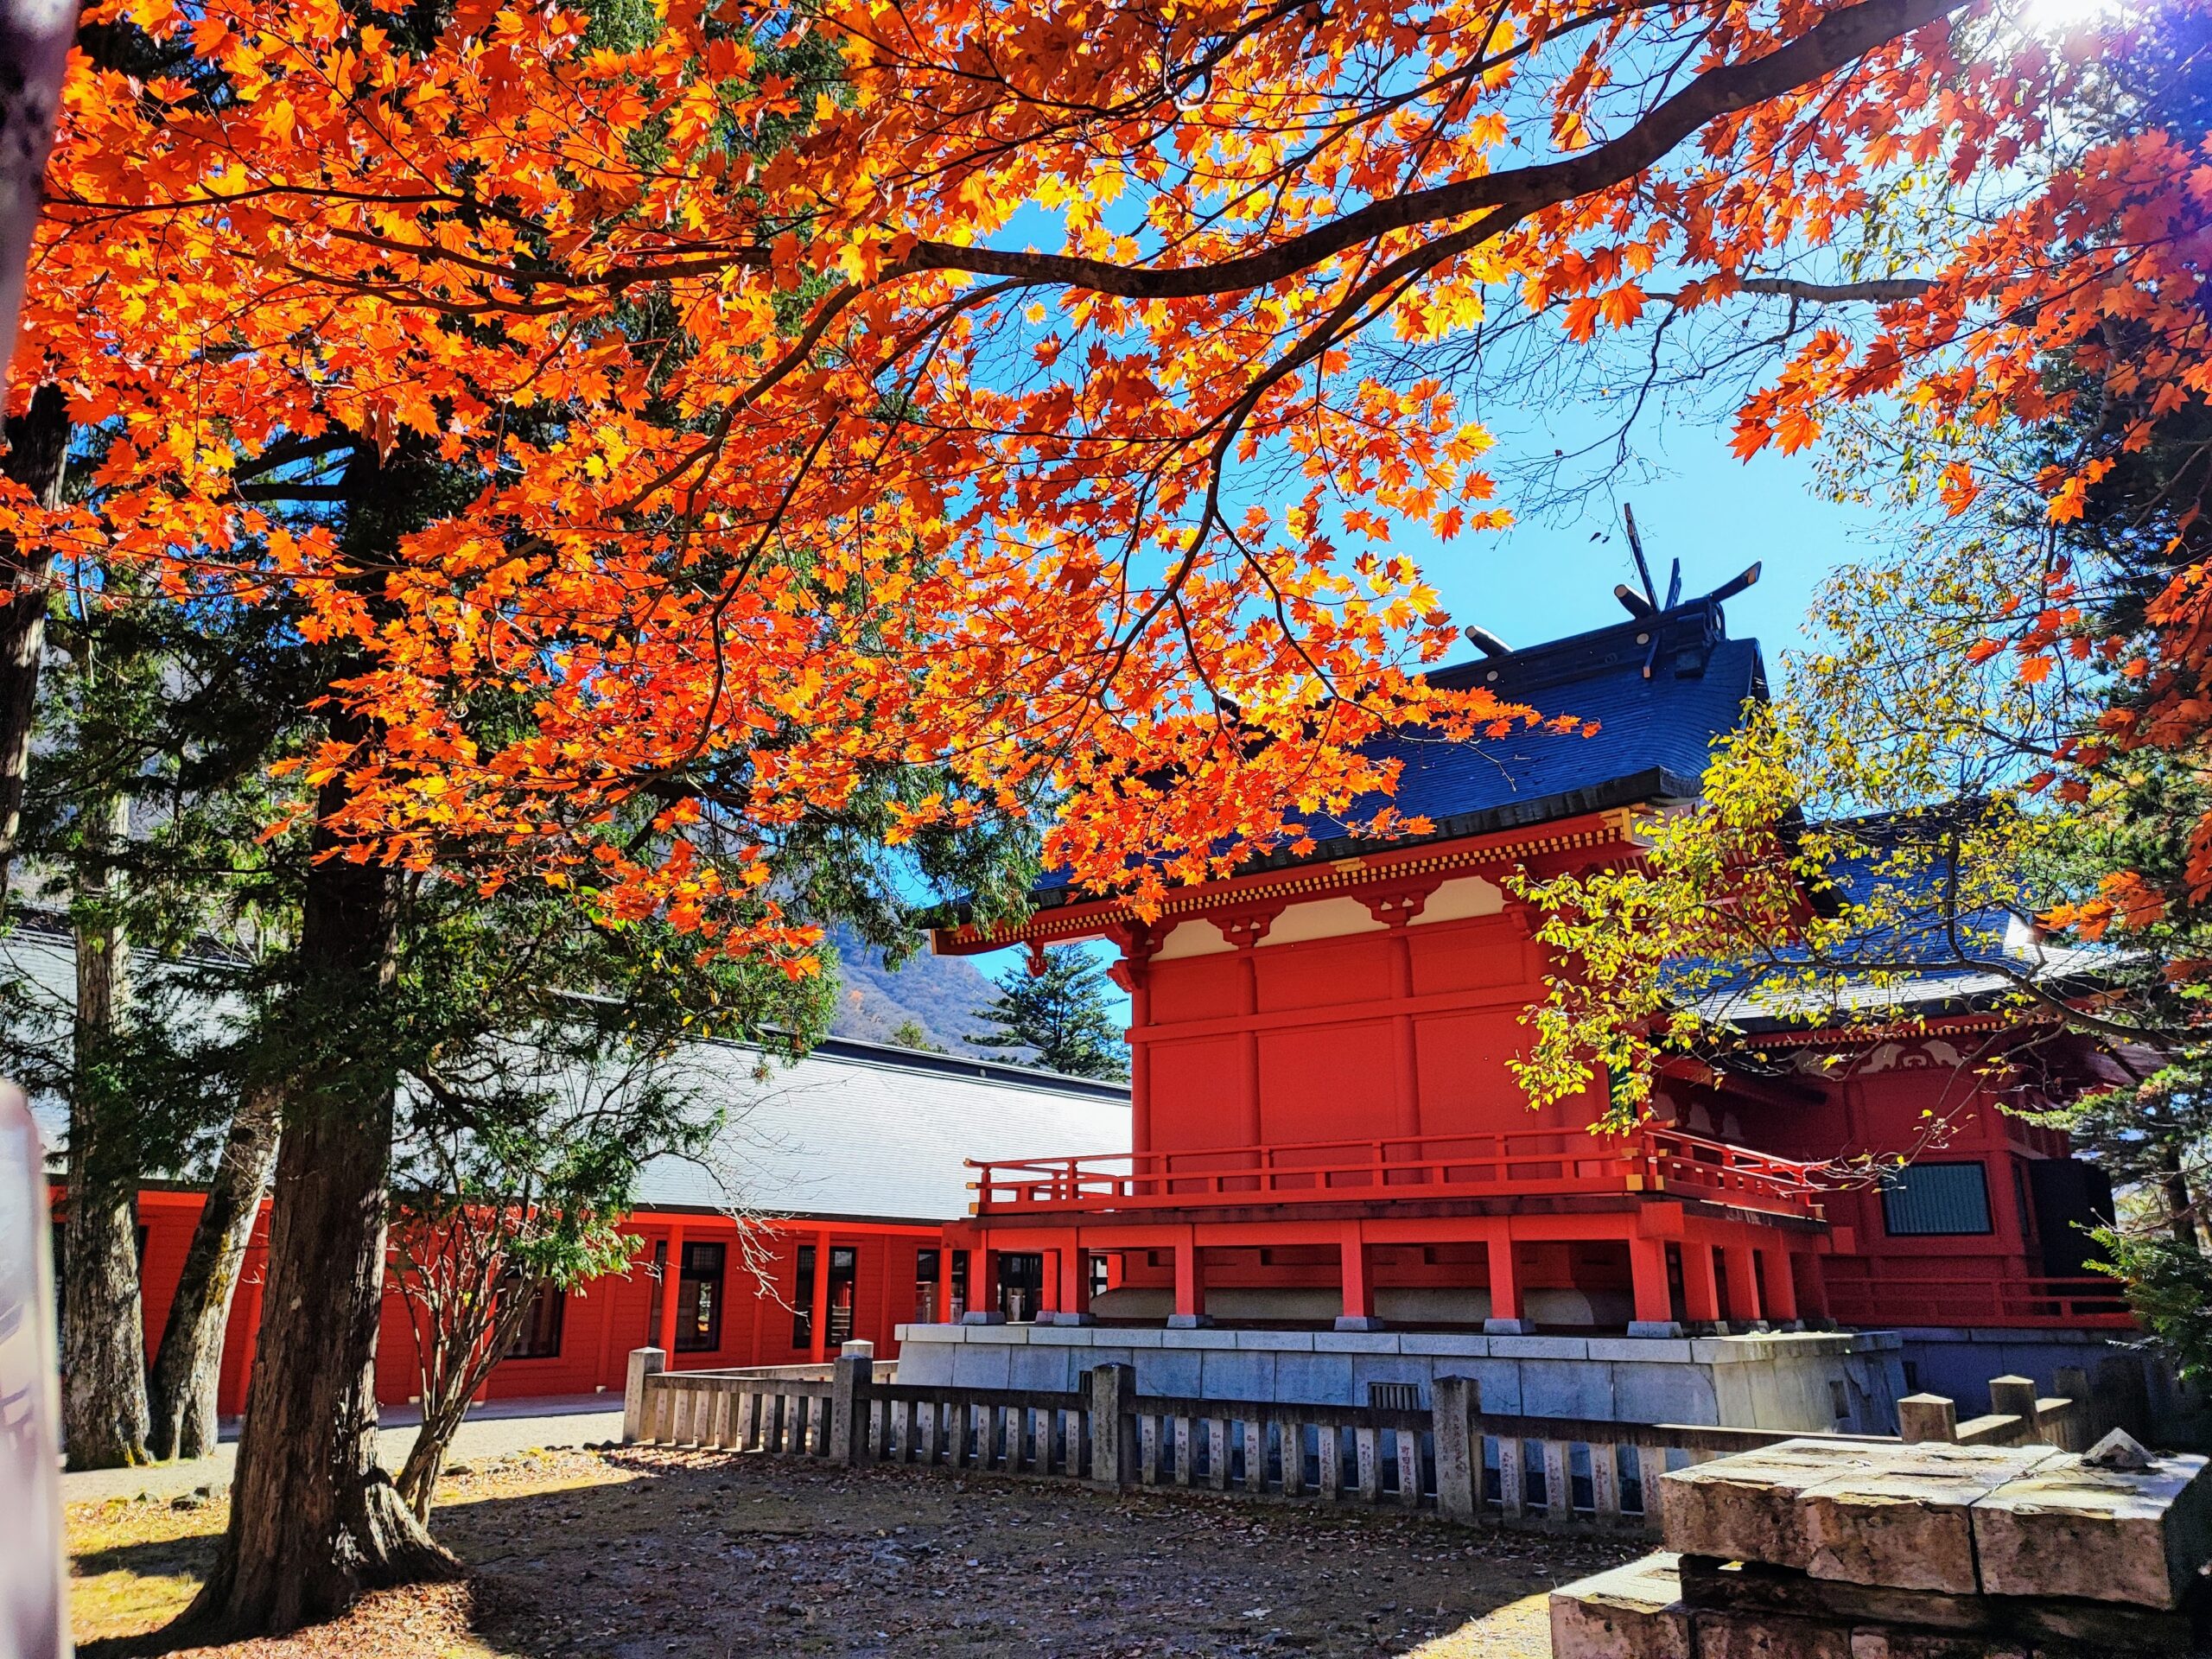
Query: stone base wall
[[1792, 1381]]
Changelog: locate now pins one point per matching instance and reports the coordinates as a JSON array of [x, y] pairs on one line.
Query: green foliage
[[1062, 1017], [2170, 1287], [909, 1034]]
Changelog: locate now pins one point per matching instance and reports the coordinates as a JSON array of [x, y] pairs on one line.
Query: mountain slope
[[942, 994]]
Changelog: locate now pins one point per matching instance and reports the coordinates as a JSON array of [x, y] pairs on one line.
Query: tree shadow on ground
[[730, 1556]]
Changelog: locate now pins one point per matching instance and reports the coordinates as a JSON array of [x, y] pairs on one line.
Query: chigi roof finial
[[1646, 604]]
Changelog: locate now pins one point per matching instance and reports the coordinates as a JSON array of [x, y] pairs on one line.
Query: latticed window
[[1922, 1199]]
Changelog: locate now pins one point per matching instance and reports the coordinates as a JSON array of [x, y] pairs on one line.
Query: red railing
[[2093, 1302], [1516, 1162]]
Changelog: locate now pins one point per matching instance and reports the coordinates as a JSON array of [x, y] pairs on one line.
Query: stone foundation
[[1806, 1382], [1928, 1550]]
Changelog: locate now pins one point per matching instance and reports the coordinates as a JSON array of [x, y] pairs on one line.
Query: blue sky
[[1541, 581]]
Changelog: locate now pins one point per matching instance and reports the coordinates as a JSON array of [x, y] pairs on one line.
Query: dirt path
[[668, 1555]]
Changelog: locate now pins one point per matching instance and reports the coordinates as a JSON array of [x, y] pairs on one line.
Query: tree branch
[[1837, 40]]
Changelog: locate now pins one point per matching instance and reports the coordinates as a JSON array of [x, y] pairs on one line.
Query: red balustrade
[[2091, 1302], [1511, 1163]]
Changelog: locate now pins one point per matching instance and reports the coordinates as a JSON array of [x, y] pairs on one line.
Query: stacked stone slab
[[1820, 1549]]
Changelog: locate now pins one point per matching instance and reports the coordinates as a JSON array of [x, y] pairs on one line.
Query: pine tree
[[1061, 1016]]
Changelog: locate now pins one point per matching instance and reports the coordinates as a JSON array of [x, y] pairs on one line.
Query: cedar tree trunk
[[188, 1366], [38, 447], [103, 1339], [314, 1520], [2181, 1210]]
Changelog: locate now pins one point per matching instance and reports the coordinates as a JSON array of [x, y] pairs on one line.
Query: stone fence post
[[1113, 1460], [644, 1363], [2015, 1396], [1455, 1402], [1927, 1417], [852, 1378]]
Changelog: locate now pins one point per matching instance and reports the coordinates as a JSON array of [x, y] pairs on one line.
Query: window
[[698, 1296], [699, 1300], [928, 1265], [539, 1335], [1932, 1198], [843, 1262]]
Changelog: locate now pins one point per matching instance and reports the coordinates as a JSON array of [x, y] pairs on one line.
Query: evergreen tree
[[1060, 1016]]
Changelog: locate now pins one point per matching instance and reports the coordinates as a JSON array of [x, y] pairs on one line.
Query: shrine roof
[[1934, 961], [1661, 689]]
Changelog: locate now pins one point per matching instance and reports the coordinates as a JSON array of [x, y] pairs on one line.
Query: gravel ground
[[651, 1555]]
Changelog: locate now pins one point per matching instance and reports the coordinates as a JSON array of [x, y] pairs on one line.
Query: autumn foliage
[[791, 457]]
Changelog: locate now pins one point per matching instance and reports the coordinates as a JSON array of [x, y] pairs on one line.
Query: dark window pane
[[699, 1300], [803, 1299], [844, 1265], [927, 1265], [1021, 1284], [1929, 1199], [660, 1289], [539, 1337]]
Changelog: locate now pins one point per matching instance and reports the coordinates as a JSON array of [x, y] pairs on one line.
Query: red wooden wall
[[602, 1321]]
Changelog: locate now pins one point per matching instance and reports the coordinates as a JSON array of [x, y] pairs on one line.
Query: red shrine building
[[816, 1219], [1326, 1131]]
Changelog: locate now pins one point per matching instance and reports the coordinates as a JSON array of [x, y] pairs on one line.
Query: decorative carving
[[1932, 1054], [1247, 928], [1397, 906], [1137, 942]]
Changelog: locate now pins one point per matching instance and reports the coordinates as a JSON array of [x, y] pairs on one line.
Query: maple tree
[[766, 464]]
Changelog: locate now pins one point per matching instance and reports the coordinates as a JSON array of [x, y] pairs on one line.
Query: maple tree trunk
[[104, 1337], [465, 1328], [34, 54], [188, 1366], [426, 1458], [38, 448], [313, 1519]]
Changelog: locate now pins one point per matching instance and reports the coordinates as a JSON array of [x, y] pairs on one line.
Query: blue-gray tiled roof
[[1655, 735]]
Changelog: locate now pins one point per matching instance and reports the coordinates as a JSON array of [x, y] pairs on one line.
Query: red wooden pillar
[[1190, 1283], [1407, 1093], [1700, 1287], [1647, 1268], [1809, 1280], [1779, 1283], [1742, 1284], [1505, 1285], [1073, 1302], [944, 1254], [602, 1372], [1358, 1276], [1137, 946], [818, 1315], [671, 1280], [1248, 1039], [1245, 932], [983, 1283]]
